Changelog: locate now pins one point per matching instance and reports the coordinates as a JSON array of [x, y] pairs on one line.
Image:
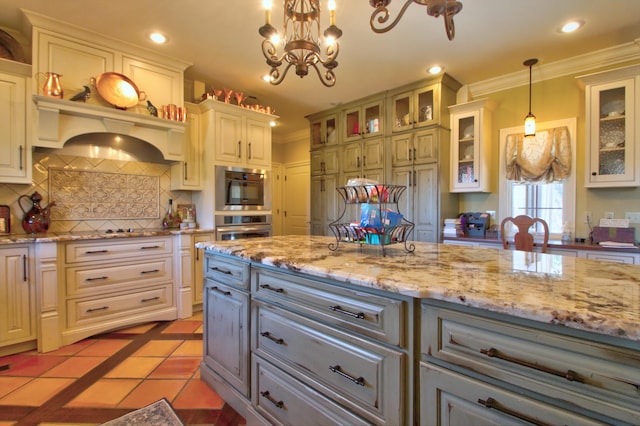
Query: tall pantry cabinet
[[396, 137]]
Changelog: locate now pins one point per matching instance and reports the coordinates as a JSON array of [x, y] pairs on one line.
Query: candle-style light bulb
[[267, 11], [332, 12]]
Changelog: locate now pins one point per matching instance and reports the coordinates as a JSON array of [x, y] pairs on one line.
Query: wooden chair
[[523, 240]]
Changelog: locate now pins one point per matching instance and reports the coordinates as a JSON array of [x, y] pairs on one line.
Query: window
[[553, 202]]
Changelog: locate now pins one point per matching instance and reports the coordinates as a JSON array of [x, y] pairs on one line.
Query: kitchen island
[[443, 335]]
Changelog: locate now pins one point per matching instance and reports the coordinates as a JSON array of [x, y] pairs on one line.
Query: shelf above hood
[[60, 120]]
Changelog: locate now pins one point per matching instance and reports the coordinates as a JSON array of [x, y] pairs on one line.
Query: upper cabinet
[[187, 174], [15, 149], [613, 155], [363, 120], [470, 146], [412, 107], [79, 55], [324, 131]]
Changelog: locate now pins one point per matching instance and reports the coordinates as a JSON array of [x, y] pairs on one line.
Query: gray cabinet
[[226, 321]]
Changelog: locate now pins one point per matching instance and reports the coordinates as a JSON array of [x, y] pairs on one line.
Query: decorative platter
[[118, 89], [10, 48]]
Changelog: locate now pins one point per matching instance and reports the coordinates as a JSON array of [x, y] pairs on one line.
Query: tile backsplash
[[141, 183]]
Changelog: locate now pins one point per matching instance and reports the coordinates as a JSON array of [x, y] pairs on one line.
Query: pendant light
[[530, 119]]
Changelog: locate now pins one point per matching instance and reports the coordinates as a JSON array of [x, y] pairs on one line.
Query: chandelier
[[301, 44], [435, 8]]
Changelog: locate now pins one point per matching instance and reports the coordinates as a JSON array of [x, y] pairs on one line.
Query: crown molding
[[570, 66]]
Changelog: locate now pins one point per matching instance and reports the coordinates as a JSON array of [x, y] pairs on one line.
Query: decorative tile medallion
[[82, 194]]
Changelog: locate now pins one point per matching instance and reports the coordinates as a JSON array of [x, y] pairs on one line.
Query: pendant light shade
[[530, 119]]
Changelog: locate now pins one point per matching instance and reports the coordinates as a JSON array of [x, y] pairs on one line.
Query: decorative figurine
[[152, 109], [82, 96]]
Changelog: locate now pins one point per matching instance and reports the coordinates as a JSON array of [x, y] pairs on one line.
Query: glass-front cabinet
[[470, 146], [363, 120], [613, 157], [416, 108], [324, 131]]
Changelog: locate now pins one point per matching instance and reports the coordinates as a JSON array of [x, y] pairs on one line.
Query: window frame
[[569, 190]]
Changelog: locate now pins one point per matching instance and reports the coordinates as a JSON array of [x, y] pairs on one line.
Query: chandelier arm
[[449, 26], [329, 76], [382, 15], [276, 76]]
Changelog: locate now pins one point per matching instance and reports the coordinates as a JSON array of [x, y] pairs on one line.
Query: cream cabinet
[[326, 203], [187, 174], [612, 115], [15, 148], [115, 283], [325, 161], [363, 120], [419, 205], [470, 146], [363, 158], [414, 148], [17, 299], [78, 55], [324, 130], [241, 140], [189, 266]]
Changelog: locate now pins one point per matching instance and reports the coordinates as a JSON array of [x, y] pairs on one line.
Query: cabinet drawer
[[379, 317], [226, 270], [123, 248], [594, 376], [84, 312], [83, 281], [286, 401], [447, 398], [348, 369]]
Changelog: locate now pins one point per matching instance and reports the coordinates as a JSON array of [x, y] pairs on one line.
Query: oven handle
[[243, 229]]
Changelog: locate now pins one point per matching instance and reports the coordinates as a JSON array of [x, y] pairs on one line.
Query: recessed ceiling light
[[157, 37], [571, 26], [272, 123], [436, 69]]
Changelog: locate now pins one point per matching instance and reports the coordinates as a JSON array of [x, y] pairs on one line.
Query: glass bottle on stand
[[171, 218]]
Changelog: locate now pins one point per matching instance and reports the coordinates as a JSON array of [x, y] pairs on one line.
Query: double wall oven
[[242, 195]]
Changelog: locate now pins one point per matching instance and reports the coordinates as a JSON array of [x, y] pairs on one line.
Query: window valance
[[545, 157]]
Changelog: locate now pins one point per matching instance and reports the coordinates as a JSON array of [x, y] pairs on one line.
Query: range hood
[[61, 120]]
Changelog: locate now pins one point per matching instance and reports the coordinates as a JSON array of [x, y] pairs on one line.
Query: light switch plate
[[632, 217]]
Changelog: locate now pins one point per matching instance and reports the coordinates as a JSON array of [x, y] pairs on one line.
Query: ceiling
[[220, 38]]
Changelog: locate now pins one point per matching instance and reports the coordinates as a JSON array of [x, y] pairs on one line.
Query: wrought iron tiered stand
[[391, 230]]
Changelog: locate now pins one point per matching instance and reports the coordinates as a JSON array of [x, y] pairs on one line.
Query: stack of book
[[452, 228]]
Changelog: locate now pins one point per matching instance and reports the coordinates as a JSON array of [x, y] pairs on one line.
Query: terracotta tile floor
[[106, 376]]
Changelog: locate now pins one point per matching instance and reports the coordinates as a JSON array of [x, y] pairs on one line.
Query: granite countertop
[[91, 235], [590, 295], [553, 244]]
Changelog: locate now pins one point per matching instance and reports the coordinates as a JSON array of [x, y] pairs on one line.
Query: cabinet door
[[228, 138], [402, 150], [15, 155], [352, 124], [611, 118], [17, 299], [403, 176], [324, 131], [352, 157], [373, 153], [186, 175], [425, 203], [161, 85], [425, 111], [258, 143], [226, 341], [198, 267], [425, 147], [402, 112], [464, 153]]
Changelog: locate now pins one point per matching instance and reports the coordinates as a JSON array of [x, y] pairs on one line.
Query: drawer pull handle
[[492, 403], [224, 293], [224, 271], [338, 309], [357, 380], [96, 279], [570, 375], [96, 251], [274, 339], [103, 308], [149, 247], [151, 299], [151, 271], [268, 287], [267, 395]]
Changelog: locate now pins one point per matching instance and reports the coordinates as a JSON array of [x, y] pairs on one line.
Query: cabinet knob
[[594, 174]]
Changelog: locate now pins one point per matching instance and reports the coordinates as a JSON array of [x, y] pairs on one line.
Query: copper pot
[[118, 89]]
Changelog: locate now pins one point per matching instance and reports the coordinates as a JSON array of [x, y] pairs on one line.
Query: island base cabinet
[[226, 345], [448, 398], [283, 400]]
